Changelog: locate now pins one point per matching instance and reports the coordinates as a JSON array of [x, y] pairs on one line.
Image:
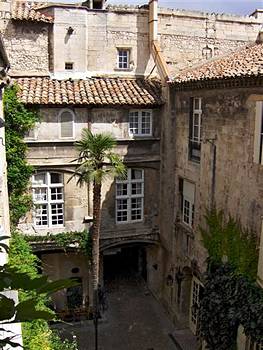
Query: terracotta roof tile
[[29, 11], [93, 91], [246, 62]]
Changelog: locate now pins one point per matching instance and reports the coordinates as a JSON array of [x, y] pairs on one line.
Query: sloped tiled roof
[[29, 11], [247, 62], [93, 91]]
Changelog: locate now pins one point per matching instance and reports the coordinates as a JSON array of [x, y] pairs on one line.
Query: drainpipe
[[154, 43]]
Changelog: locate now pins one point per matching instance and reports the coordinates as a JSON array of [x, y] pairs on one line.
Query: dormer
[[95, 4]]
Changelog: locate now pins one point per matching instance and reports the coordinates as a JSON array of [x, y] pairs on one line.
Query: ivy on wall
[[37, 334], [18, 121], [231, 296], [65, 240], [226, 240]]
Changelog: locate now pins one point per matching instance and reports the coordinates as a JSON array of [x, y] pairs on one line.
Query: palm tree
[[97, 161]]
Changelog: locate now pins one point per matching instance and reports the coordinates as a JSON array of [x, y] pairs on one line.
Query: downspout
[[155, 49]]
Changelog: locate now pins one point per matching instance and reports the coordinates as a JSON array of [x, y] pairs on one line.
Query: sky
[[240, 7]]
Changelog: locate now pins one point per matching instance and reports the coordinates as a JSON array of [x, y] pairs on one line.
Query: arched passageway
[[125, 262]]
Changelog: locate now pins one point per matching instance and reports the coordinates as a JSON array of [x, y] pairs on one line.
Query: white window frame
[[188, 197], [194, 304], [60, 125], [258, 135], [120, 63], [140, 116], [48, 202], [129, 196], [196, 123]]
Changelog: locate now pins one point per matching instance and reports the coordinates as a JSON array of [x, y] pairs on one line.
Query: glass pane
[[57, 214], [136, 174], [136, 188], [39, 179], [136, 208], [56, 193], [41, 217], [39, 194], [122, 210], [55, 178], [121, 189], [197, 103]]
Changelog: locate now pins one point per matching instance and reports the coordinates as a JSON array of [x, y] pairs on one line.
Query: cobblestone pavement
[[134, 321]]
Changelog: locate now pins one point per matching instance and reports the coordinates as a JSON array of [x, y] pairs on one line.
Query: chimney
[[153, 21], [154, 43]]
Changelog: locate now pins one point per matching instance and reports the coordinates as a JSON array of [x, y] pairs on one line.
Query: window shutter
[[66, 124], [189, 191]]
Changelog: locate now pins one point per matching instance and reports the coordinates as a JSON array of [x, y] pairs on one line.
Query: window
[[187, 190], [195, 129], [123, 59], [68, 65], [66, 121], [196, 294], [48, 199], [258, 137], [140, 123], [129, 197]]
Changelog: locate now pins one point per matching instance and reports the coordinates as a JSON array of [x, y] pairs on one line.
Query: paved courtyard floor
[[133, 321]]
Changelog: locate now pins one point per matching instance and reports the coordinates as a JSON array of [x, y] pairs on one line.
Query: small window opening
[[68, 66]]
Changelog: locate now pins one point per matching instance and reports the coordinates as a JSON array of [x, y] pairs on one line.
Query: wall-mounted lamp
[[70, 30], [169, 280]]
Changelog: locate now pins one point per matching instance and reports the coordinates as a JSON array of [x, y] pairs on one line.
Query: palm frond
[[96, 158]]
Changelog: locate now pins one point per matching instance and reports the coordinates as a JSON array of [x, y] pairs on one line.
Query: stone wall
[[27, 48], [47, 152], [187, 38], [228, 123]]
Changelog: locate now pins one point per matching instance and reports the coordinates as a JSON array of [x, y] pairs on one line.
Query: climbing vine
[[18, 121], [231, 296], [66, 240]]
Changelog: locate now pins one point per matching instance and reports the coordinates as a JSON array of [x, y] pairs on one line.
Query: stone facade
[[227, 177], [89, 40]]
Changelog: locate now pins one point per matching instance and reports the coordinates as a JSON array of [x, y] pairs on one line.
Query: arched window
[[48, 198], [66, 122]]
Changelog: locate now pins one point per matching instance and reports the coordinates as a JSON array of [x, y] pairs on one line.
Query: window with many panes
[[195, 129], [140, 122], [66, 122], [48, 199], [187, 190], [130, 197], [123, 61]]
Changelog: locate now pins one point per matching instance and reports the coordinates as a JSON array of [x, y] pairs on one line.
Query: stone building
[[217, 162], [112, 69]]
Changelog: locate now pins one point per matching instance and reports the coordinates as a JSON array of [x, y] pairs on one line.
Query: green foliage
[[228, 301], [21, 274], [225, 239], [231, 297], [18, 120], [66, 240], [97, 159]]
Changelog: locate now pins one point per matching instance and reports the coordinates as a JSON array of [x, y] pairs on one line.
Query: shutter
[[189, 191], [66, 124]]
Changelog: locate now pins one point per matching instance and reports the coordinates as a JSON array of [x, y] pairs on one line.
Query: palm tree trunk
[[96, 240]]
